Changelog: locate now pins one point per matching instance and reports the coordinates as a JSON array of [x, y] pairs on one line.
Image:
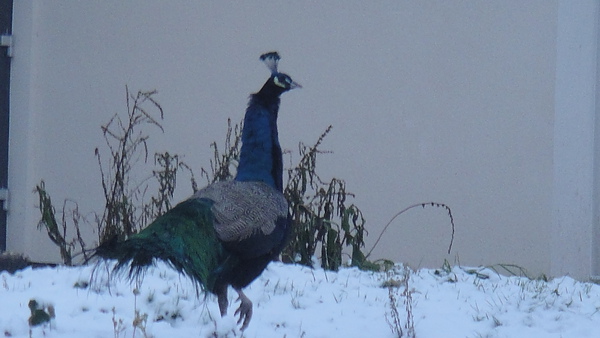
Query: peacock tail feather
[[184, 238]]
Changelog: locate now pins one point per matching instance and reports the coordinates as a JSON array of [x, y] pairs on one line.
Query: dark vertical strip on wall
[[6, 10]]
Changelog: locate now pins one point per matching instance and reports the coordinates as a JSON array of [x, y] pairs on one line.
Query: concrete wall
[[454, 102]]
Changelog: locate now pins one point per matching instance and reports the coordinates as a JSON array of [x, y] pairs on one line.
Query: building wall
[[452, 102], [575, 110]]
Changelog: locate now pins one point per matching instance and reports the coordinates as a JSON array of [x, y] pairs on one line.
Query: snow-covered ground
[[294, 301]]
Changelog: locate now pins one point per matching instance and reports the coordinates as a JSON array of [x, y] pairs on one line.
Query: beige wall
[[450, 101]]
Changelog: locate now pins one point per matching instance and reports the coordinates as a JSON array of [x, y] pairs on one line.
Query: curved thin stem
[[433, 204]]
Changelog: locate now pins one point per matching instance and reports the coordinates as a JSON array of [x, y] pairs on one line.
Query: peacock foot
[[245, 309]]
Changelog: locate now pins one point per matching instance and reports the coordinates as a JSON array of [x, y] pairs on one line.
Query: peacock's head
[[278, 82], [284, 81]]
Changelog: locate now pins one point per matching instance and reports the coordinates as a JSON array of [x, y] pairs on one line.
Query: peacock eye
[[279, 83]]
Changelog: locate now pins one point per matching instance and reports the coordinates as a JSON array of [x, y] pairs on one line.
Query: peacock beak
[[295, 84]]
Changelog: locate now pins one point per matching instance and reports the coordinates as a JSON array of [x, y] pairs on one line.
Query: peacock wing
[[244, 209]]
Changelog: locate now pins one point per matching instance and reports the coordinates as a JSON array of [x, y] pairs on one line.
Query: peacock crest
[[271, 59]]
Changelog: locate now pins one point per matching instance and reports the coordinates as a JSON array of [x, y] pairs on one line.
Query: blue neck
[[260, 156]]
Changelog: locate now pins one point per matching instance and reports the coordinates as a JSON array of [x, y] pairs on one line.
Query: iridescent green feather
[[184, 238]]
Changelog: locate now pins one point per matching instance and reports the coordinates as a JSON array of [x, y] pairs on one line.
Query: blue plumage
[[260, 157], [226, 233]]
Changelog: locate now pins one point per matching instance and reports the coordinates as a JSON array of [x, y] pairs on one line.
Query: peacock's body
[[227, 233]]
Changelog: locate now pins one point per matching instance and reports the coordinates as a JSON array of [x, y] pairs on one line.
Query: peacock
[[228, 232]]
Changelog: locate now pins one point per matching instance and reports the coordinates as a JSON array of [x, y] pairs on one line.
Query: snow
[[295, 301]]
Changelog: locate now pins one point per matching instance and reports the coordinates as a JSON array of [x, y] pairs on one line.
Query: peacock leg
[[245, 309], [222, 300]]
